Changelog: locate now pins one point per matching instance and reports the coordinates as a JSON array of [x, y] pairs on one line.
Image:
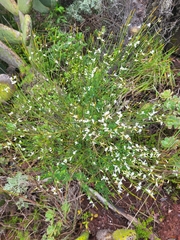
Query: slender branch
[[118, 210]]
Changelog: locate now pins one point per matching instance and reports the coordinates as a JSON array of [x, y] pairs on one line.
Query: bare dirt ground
[[164, 211]]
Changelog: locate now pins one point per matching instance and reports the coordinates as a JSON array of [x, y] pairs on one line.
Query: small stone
[[104, 234]]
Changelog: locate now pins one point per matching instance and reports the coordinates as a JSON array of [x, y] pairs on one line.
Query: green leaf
[[10, 35], [170, 142], [172, 121], [17, 184], [65, 208], [38, 6], [172, 104], [50, 215], [10, 127], [25, 6], [166, 94], [10, 5], [83, 236], [51, 230], [49, 3], [10, 57]]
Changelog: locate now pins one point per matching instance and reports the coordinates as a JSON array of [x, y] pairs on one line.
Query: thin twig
[[118, 210]]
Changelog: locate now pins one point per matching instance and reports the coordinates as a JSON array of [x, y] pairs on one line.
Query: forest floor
[[165, 213]]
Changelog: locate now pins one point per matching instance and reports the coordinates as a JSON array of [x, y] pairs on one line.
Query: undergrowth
[[84, 112]]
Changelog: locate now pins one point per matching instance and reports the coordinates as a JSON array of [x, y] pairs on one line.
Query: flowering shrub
[[82, 124]]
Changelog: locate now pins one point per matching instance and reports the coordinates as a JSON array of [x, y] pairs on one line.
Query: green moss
[[6, 91], [124, 234]]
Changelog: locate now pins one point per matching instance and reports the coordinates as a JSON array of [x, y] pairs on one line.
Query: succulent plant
[[26, 27], [49, 3], [10, 35], [20, 9], [25, 6], [11, 6], [38, 6], [10, 57]]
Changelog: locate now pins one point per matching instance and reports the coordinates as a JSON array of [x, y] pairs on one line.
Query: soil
[[170, 227], [164, 211]]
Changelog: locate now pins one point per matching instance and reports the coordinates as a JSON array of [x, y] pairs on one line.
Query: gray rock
[[104, 234]]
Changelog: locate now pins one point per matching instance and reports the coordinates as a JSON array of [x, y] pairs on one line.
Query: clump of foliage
[[84, 118], [79, 8], [84, 115], [144, 230]]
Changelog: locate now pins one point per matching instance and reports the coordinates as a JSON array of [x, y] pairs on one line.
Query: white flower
[[123, 69], [34, 128], [150, 192], [53, 189], [139, 186], [127, 136], [101, 120], [136, 44], [104, 178]]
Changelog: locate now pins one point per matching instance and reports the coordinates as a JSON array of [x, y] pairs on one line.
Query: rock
[[7, 88], [104, 234]]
